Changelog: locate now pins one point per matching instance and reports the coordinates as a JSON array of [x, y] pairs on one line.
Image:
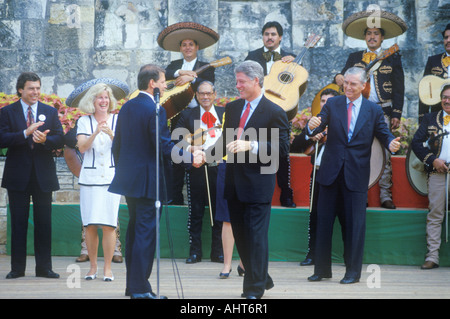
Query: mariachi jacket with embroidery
[[389, 81], [427, 141]]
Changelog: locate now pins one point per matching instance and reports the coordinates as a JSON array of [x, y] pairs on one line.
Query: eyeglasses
[[446, 98]]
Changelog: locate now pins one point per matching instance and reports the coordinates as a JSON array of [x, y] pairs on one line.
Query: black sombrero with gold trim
[[171, 37], [392, 25]]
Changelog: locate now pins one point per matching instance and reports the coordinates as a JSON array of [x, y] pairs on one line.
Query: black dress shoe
[[47, 274], [218, 259], [317, 277], [389, 204], [307, 262], [14, 274], [349, 280], [147, 295], [288, 203], [193, 259]]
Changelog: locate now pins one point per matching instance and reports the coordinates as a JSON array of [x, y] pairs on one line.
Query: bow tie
[[446, 119], [268, 56], [446, 61], [209, 120], [369, 57]]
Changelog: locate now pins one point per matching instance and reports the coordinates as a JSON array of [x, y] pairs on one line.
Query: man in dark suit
[[183, 71], [430, 144], [272, 34], [387, 89], [352, 123], [255, 130], [205, 117], [301, 144], [134, 150], [31, 131], [437, 65]]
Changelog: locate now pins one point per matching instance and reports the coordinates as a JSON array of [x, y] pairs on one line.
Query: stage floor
[[200, 281]]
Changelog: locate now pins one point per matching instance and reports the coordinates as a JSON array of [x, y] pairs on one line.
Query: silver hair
[[359, 71], [87, 102], [251, 69], [207, 82]]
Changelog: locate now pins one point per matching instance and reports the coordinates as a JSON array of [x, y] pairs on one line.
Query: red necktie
[[243, 120], [349, 116], [30, 118], [209, 120]]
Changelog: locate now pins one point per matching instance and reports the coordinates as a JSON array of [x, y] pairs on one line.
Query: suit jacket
[[435, 67], [245, 178], [432, 124], [134, 149], [21, 157], [353, 155], [189, 116], [257, 56], [207, 75], [389, 81]]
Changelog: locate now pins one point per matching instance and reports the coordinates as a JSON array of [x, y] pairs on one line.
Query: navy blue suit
[[30, 171], [249, 189], [284, 171], [343, 178], [134, 150]]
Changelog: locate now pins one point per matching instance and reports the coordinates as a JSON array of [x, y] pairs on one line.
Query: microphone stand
[[157, 201]]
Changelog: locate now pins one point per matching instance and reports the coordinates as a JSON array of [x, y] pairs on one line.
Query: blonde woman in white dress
[[99, 208]]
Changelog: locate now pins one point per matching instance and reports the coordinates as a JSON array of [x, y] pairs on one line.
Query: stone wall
[[68, 42]]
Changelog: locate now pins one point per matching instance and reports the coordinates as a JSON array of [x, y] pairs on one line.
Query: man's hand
[[394, 146], [40, 137], [239, 146], [199, 158], [33, 127], [287, 59], [395, 123], [339, 80], [314, 122], [439, 165], [185, 77]]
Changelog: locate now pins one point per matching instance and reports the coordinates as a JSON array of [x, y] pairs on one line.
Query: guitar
[[176, 98], [286, 82], [375, 64], [315, 106], [430, 89]]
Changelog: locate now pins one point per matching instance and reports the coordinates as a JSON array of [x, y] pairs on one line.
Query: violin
[[312, 148], [198, 138]]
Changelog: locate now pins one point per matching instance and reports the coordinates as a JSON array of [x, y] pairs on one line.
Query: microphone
[[156, 96]]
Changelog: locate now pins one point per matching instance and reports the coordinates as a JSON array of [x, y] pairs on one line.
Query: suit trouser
[[353, 224], [250, 224], [385, 181], [198, 200], [435, 216], [140, 246], [19, 205]]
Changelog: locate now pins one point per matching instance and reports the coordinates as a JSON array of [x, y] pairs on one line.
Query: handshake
[[199, 156]]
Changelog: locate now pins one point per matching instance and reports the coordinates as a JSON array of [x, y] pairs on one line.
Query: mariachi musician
[[187, 38], [431, 144], [272, 34], [437, 65], [387, 85]]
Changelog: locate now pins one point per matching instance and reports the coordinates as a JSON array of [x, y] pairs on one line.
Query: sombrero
[[120, 90], [171, 37], [355, 25]]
